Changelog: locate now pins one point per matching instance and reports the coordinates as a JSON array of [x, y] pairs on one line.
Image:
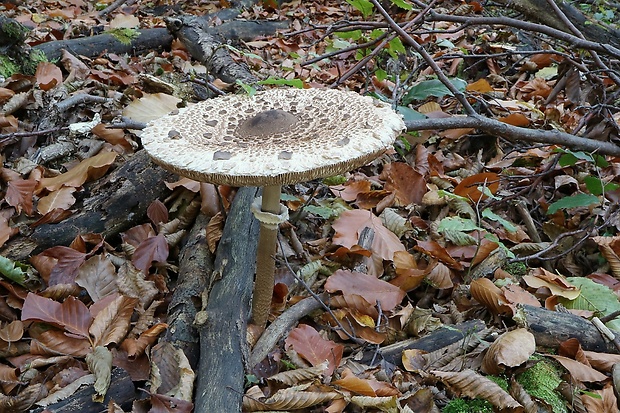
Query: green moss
[[540, 381], [517, 269], [500, 381], [7, 67], [15, 31], [125, 36], [468, 406]]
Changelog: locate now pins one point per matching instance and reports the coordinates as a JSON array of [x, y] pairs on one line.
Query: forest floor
[[493, 264]]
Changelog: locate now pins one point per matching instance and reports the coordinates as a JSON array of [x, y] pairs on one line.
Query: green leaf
[[459, 238], [457, 224], [286, 197], [14, 271], [594, 297], [597, 187], [395, 47], [570, 158], [381, 75], [247, 88], [432, 87], [574, 201], [402, 4], [488, 214], [352, 34], [323, 212], [299, 84], [409, 114], [364, 6], [335, 180]]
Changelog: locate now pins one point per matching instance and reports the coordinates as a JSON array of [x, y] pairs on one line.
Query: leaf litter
[[449, 242]]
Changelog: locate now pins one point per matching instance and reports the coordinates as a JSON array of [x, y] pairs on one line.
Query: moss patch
[[468, 406], [540, 381]]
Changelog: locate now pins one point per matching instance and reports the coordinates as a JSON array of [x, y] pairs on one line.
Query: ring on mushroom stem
[[273, 138]]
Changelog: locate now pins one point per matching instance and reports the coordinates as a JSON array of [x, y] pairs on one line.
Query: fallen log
[[436, 340], [116, 203], [550, 328], [223, 323], [195, 263]]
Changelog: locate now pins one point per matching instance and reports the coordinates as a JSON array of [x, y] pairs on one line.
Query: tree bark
[[550, 328], [122, 391], [116, 203], [223, 346], [434, 341], [154, 39], [539, 11], [195, 263]]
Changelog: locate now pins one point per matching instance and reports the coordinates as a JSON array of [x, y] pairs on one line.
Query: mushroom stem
[[265, 260]]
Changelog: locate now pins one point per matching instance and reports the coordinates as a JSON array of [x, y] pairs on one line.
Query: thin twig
[[427, 57]]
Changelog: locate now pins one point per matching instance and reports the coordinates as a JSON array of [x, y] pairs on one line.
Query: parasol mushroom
[[269, 139]]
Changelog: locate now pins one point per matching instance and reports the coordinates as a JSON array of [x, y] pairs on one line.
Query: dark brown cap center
[[268, 122]]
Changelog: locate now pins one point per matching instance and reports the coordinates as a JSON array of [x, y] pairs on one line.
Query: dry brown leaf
[[607, 403], [610, 249], [440, 276], [136, 347], [511, 349], [72, 315], [468, 187], [557, 284], [481, 86], [514, 294], [61, 199], [98, 277], [351, 189], [370, 288], [602, 361], [293, 398], [54, 342], [151, 107], [489, 295], [309, 344], [215, 229], [409, 275], [171, 373], [89, 169], [579, 371], [516, 119], [132, 283], [6, 232], [435, 250], [408, 185], [112, 323], [99, 363], [24, 400], [471, 384], [293, 377], [48, 75], [19, 194], [12, 331], [364, 386], [350, 224]]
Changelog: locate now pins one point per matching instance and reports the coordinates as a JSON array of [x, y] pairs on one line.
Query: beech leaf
[[309, 344], [72, 315], [370, 288]]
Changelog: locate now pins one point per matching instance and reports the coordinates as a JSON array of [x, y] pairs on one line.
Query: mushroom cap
[[275, 137]]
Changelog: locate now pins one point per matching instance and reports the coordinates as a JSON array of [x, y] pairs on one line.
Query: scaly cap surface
[[275, 137]]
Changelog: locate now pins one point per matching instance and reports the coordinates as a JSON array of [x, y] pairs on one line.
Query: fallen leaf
[[309, 344], [370, 288]]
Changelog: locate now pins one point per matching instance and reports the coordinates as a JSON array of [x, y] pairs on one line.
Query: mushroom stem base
[[265, 260]]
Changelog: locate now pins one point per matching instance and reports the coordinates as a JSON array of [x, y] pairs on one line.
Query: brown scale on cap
[[275, 137]]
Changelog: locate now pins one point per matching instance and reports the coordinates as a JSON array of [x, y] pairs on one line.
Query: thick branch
[[514, 133], [574, 41]]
